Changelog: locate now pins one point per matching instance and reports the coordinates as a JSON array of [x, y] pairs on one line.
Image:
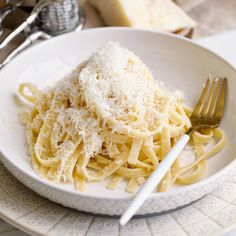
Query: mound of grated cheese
[[116, 82], [112, 89]]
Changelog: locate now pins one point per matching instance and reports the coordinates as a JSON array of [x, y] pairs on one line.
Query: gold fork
[[210, 107], [207, 114]]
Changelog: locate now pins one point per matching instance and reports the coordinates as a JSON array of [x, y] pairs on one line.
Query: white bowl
[[179, 62]]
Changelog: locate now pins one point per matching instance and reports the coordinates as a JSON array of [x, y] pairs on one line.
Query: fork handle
[[154, 179]]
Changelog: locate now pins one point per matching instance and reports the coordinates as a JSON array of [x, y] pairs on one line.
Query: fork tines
[[210, 106]]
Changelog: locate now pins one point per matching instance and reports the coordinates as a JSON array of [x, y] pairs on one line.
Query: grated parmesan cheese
[[118, 92], [108, 118]]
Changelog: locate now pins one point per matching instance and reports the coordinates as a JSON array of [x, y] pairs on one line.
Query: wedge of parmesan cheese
[[123, 12], [163, 15]]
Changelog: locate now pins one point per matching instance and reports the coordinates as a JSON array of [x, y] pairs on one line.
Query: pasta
[[109, 119]]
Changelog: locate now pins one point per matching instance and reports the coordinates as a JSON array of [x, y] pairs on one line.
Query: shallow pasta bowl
[[179, 62]]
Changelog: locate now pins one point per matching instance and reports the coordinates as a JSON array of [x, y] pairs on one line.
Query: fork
[[207, 114]]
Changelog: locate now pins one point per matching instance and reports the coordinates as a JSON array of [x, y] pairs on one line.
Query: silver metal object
[[55, 16], [52, 17], [60, 17], [29, 40], [26, 24]]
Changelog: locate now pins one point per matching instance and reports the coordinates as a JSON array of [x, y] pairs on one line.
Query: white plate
[[180, 63], [35, 215]]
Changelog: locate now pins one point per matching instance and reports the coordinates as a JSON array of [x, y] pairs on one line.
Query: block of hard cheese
[[163, 15], [123, 12]]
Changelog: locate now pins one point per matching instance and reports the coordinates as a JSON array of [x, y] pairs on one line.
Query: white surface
[[224, 44], [180, 63], [154, 179]]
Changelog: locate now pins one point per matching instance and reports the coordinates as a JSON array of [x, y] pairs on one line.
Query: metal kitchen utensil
[[61, 16], [52, 18], [36, 34]]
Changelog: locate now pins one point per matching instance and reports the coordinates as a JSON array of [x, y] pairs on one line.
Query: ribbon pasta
[[57, 155], [74, 136]]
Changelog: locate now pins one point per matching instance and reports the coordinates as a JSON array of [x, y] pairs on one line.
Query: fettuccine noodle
[[110, 119]]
